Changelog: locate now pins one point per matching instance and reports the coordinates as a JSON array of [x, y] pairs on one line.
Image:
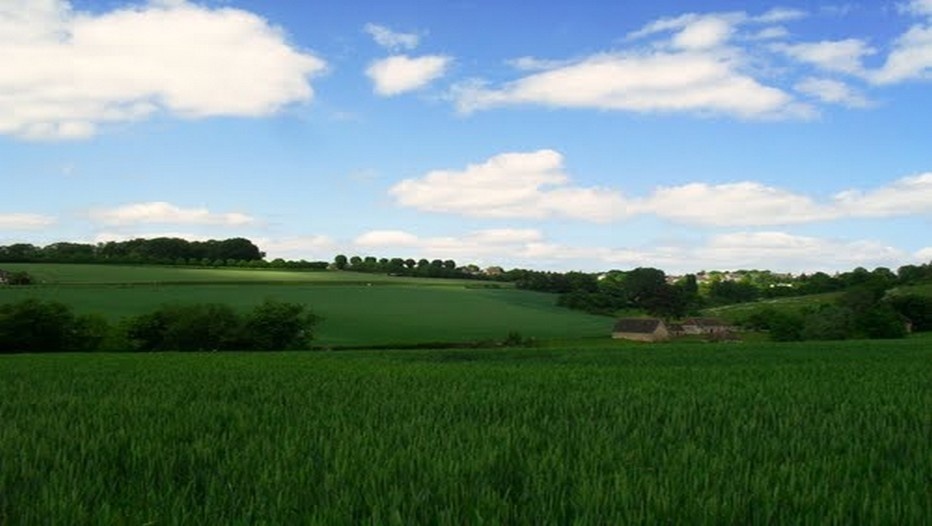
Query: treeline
[[47, 326], [158, 251], [861, 312], [649, 289], [424, 268]]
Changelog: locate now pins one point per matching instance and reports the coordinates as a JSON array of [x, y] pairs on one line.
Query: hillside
[[357, 309]]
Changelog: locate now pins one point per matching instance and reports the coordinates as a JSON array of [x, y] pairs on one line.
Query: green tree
[[277, 325], [48, 326], [340, 261]]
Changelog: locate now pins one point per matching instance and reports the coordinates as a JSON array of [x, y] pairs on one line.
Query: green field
[[357, 309], [827, 433], [75, 274], [741, 311]]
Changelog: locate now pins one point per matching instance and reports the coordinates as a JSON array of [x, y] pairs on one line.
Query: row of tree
[[436, 268], [160, 251], [861, 312], [48, 326]]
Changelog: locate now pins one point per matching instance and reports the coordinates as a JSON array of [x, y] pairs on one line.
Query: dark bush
[[48, 326], [277, 325]]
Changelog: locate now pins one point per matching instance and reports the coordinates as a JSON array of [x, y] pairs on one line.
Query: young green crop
[[701, 434]]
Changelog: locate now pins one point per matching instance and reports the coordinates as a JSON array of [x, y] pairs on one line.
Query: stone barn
[[641, 330]]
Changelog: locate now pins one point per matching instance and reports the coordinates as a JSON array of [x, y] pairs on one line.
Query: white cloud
[[923, 256], [399, 74], [698, 82], [165, 213], [66, 72], [490, 246], [832, 92], [20, 221], [534, 185], [309, 247], [687, 64], [909, 195], [911, 58], [704, 33], [779, 250], [732, 204], [845, 56], [380, 238], [509, 185], [917, 7], [780, 14], [392, 40], [771, 33]]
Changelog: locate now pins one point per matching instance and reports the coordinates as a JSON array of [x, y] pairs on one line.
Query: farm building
[[705, 326], [641, 330]]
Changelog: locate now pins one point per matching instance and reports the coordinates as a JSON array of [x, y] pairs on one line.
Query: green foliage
[[818, 433], [277, 325], [48, 326], [195, 327], [20, 278], [271, 325], [915, 308]]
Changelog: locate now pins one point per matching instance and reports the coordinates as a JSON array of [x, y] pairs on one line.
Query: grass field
[[390, 311], [72, 274], [827, 433], [741, 311]]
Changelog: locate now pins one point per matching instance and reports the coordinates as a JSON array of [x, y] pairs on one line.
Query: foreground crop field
[[735, 434]]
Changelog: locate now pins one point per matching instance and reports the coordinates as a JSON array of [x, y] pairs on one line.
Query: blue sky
[[588, 135]]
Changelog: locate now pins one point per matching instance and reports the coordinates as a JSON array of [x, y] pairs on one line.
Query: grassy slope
[[393, 310], [63, 274], [821, 433], [796, 303]]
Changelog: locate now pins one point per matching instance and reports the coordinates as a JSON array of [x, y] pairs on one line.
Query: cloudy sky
[[590, 135]]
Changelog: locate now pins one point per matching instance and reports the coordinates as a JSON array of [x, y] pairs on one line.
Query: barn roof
[[637, 325]]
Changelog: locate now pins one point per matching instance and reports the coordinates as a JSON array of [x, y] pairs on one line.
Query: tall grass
[[827, 433]]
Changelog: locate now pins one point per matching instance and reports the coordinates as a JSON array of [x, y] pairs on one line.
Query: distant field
[[821, 433], [390, 311], [63, 274], [793, 304]]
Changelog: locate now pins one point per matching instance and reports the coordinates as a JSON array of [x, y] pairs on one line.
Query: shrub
[[277, 325], [197, 327], [48, 326]]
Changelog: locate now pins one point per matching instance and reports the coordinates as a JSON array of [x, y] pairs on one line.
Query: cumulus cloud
[[510, 185], [21, 221], [400, 73], [165, 213], [917, 7], [832, 92], [381, 238], [534, 185], [732, 204], [493, 244], [909, 195], [392, 40], [688, 64], [910, 59], [652, 81], [845, 56], [67, 72]]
